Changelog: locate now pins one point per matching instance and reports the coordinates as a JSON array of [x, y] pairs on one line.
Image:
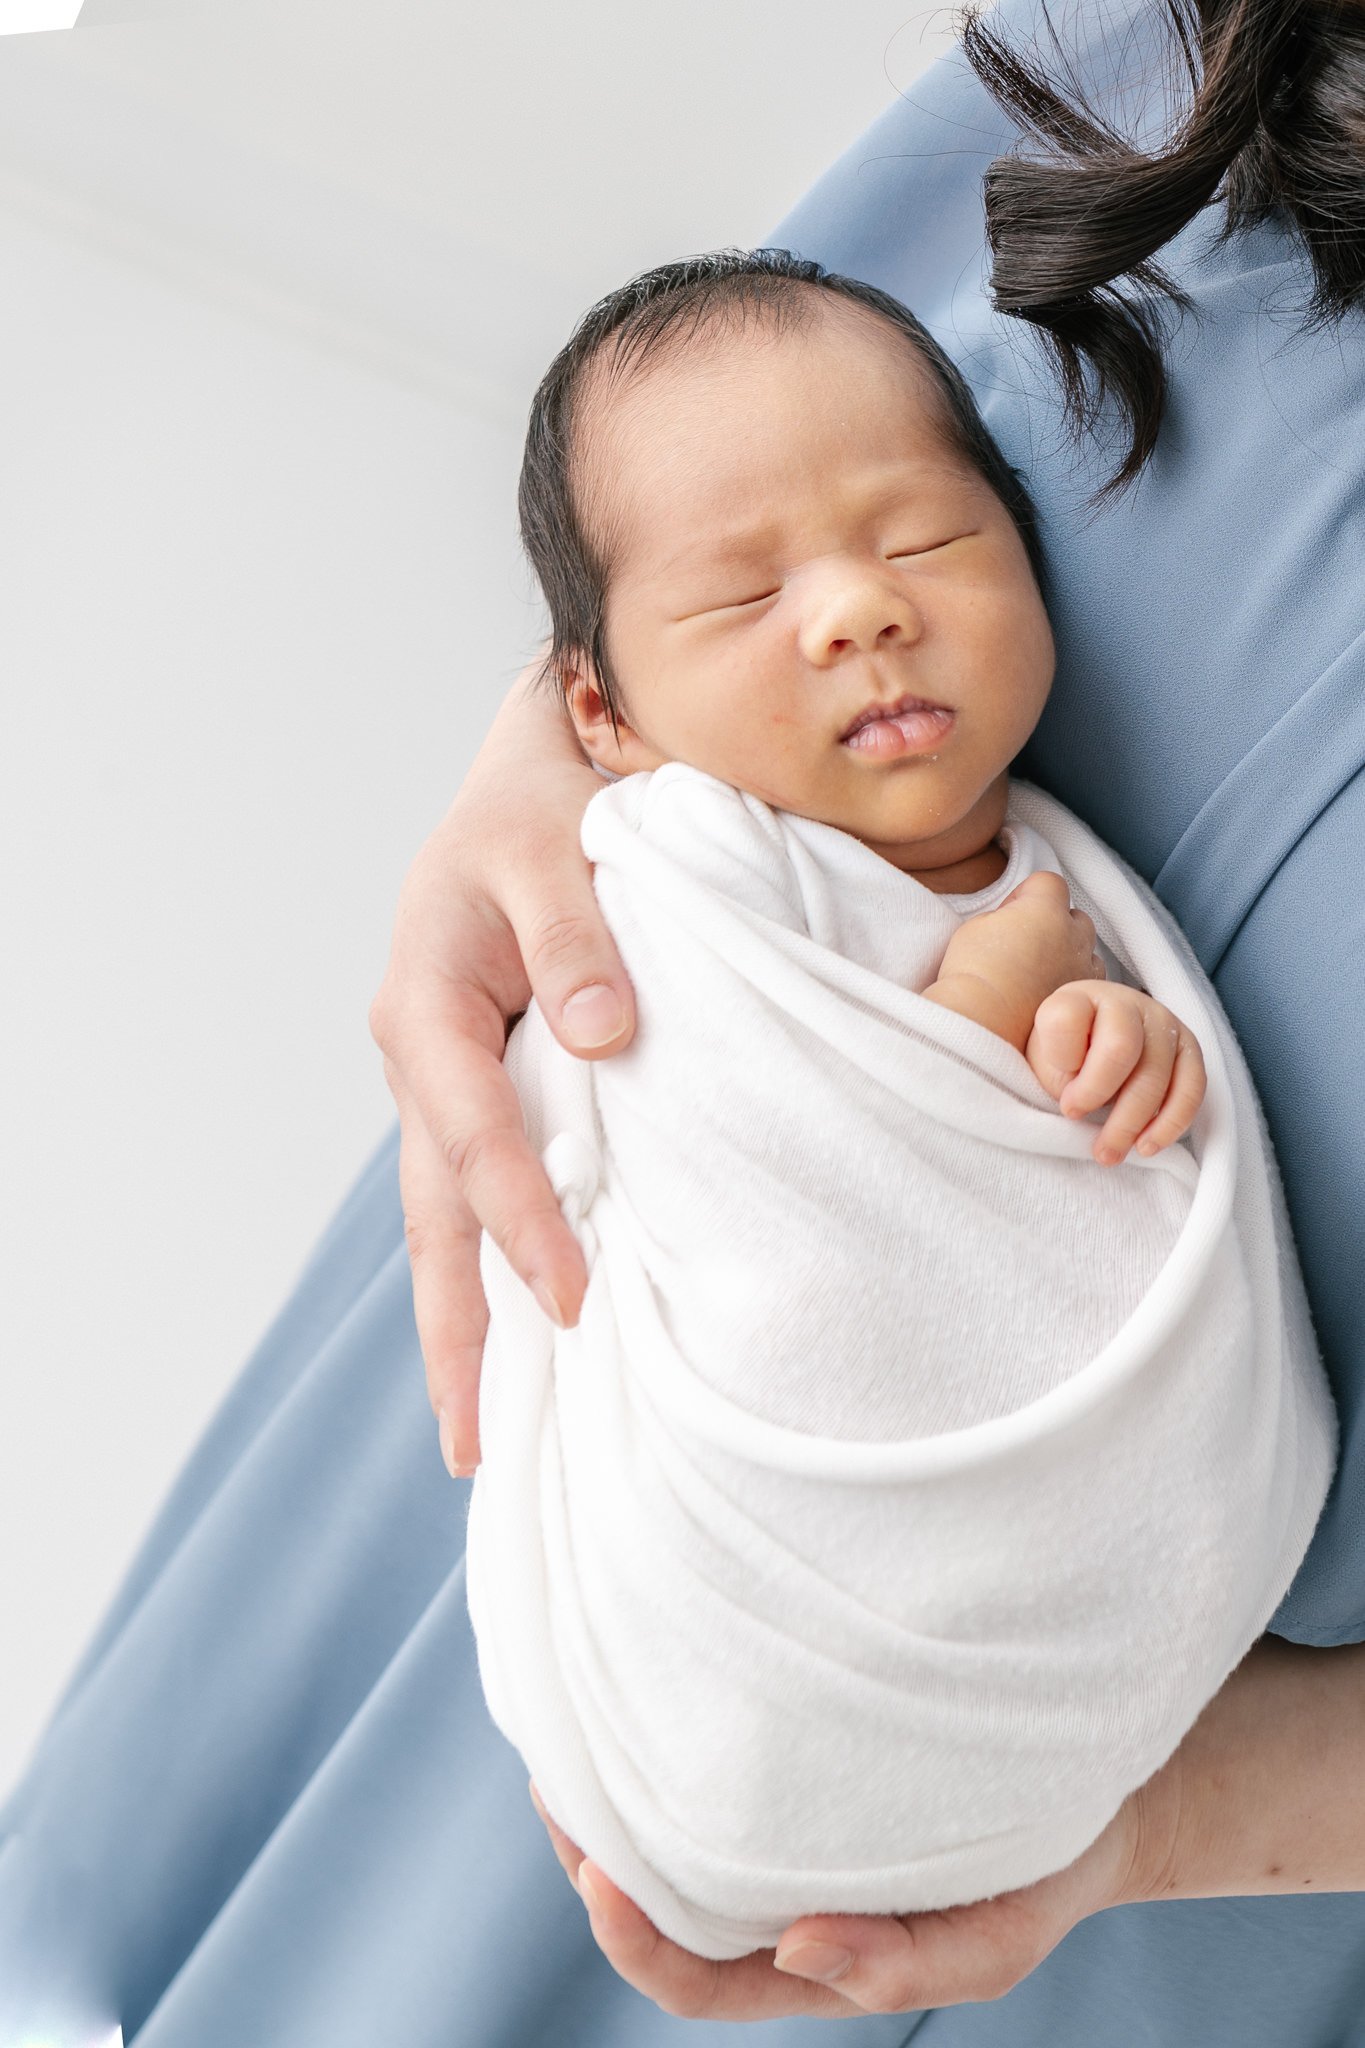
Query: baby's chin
[[916, 818], [899, 805]]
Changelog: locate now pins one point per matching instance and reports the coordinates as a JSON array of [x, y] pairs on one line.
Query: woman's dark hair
[[1276, 123], [671, 305]]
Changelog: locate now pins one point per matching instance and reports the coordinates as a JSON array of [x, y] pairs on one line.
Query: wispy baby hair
[[672, 306]]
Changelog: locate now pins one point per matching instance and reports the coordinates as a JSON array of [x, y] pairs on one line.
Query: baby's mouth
[[909, 725]]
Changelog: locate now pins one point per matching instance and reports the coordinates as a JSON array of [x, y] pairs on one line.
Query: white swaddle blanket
[[910, 1482]]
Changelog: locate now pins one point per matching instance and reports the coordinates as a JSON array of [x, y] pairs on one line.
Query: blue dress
[[270, 1807]]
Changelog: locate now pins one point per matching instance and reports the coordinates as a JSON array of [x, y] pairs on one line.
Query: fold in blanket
[[909, 1482]]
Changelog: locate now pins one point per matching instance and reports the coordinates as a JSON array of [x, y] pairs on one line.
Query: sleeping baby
[[943, 1421]]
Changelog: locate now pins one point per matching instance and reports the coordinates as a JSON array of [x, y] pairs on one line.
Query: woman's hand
[[1265, 1795], [884, 1964], [498, 907]]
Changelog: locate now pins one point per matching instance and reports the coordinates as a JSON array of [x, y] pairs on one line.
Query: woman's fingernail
[[817, 1959], [535, 1799], [453, 1465], [549, 1304], [587, 1892], [447, 1436], [593, 1015]]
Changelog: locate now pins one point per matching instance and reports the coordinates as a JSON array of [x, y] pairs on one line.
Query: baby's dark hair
[[674, 303]]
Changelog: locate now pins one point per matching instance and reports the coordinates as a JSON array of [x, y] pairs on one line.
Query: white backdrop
[[276, 283]]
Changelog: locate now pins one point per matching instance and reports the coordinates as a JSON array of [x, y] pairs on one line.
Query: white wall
[[275, 285]]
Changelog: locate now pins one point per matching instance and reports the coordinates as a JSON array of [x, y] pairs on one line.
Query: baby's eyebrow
[[729, 545], [922, 485]]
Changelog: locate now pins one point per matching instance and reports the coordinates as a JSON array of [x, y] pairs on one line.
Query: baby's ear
[[622, 750], [586, 705]]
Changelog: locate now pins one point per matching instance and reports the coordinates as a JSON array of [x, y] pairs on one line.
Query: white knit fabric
[[910, 1481]]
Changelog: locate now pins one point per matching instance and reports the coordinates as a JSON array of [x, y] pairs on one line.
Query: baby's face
[[794, 539]]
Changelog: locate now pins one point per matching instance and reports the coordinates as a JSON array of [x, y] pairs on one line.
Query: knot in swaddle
[[911, 1482], [570, 1164]]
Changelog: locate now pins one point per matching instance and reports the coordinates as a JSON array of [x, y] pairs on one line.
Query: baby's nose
[[857, 606]]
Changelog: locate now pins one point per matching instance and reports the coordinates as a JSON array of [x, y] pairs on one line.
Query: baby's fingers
[[1117, 1045], [1148, 1087], [1187, 1087], [1060, 1039]]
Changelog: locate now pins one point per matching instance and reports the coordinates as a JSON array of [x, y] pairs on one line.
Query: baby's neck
[[965, 877], [969, 872]]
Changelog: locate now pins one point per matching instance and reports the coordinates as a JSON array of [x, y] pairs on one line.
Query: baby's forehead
[[630, 401]]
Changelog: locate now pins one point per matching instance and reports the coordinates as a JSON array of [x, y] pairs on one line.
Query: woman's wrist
[[1266, 1794], [533, 712], [529, 773]]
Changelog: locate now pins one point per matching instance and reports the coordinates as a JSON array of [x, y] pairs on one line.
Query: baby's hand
[[1099, 1041], [1000, 964]]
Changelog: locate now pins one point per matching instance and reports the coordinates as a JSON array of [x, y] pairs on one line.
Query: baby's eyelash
[[949, 540], [740, 604]]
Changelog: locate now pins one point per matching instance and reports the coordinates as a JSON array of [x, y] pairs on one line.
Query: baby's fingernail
[[1107, 1156], [549, 1304], [817, 1959], [593, 1015]]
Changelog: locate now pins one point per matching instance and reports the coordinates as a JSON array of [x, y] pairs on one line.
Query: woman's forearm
[[1267, 1791]]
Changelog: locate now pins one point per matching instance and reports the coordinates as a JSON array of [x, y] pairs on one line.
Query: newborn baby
[[924, 1457]]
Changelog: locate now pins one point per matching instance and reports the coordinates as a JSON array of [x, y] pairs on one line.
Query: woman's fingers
[[447, 1294], [448, 1060], [570, 958], [968, 1954], [964, 1954], [677, 1980], [686, 1985], [497, 907], [466, 1166], [569, 1853]]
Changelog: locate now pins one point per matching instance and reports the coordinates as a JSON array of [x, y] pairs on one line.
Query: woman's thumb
[[576, 975], [592, 1018]]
